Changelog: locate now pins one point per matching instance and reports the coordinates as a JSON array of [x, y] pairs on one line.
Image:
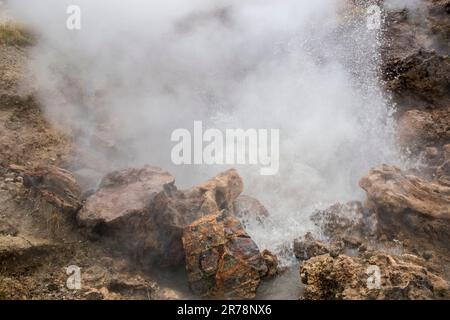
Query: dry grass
[[12, 34]]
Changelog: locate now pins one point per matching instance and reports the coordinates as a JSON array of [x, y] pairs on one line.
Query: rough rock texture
[[422, 75], [55, 185], [143, 210], [419, 129], [409, 205], [222, 261], [344, 277], [350, 222], [416, 62], [248, 208], [309, 247]]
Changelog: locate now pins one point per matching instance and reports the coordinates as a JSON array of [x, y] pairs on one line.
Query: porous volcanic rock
[[222, 261], [356, 278]]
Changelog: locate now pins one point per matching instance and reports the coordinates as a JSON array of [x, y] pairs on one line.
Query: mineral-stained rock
[[57, 186], [248, 208], [222, 261], [143, 211], [344, 277], [408, 205]]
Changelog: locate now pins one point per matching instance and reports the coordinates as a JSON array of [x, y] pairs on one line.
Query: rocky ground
[[138, 223]]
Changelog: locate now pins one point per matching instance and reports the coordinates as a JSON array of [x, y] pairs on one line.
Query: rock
[[404, 203], [23, 253], [308, 247], [344, 277], [247, 208], [6, 229], [133, 287], [446, 150], [418, 128], [222, 261], [423, 75], [144, 211], [271, 262], [169, 294], [56, 186], [129, 207], [349, 222], [443, 173]]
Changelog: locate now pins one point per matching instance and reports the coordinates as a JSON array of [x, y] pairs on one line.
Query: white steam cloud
[[137, 70]]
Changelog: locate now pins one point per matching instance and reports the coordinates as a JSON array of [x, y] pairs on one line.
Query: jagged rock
[[423, 75], [248, 208], [344, 277], [408, 205], [346, 222], [55, 185], [127, 193], [309, 247], [143, 210], [271, 262], [130, 207], [222, 261], [419, 128]]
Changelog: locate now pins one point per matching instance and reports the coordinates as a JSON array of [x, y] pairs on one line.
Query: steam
[[137, 70]]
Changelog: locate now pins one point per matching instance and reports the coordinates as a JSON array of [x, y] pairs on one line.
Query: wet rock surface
[[222, 261]]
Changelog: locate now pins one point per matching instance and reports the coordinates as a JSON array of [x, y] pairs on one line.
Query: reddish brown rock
[[409, 206], [400, 277], [144, 212], [222, 261]]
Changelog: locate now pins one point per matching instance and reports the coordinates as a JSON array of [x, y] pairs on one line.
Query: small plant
[[14, 35]]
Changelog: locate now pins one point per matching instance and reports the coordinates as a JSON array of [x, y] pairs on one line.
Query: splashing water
[[140, 70]]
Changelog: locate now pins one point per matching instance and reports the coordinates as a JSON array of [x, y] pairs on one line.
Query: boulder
[[222, 261], [377, 275], [248, 208], [409, 206], [146, 214]]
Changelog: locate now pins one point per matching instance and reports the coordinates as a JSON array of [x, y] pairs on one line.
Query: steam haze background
[[140, 69]]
